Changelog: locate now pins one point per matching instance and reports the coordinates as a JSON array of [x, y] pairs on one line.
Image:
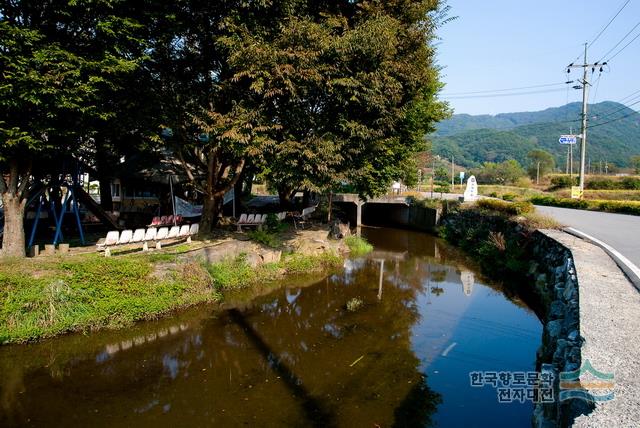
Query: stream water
[[296, 356]]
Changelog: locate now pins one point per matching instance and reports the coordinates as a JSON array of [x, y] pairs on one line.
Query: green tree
[[57, 71], [540, 161], [507, 172], [635, 163], [352, 91], [216, 125]]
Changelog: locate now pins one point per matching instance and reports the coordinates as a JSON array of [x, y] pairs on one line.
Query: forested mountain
[[485, 138]]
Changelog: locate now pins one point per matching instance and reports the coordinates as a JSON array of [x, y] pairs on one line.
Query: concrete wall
[[400, 215]]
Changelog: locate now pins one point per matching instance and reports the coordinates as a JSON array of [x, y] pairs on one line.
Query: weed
[[354, 304], [358, 246], [270, 239]]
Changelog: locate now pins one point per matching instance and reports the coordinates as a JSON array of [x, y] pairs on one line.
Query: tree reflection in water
[[296, 356]]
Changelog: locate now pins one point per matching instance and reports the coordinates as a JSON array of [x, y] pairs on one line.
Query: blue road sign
[[568, 139]]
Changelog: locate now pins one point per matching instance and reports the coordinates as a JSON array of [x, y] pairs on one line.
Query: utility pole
[[585, 98], [538, 174], [453, 183]]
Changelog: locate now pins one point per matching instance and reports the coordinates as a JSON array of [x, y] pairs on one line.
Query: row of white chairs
[[257, 219], [152, 234]]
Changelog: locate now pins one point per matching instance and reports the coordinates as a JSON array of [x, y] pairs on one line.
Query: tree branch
[[13, 177], [3, 184], [234, 180], [22, 188]]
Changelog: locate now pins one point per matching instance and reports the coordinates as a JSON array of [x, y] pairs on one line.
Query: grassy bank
[[46, 297], [497, 233]]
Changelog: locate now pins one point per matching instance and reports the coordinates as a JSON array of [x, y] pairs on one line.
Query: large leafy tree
[[214, 121], [59, 63], [541, 163], [352, 89]]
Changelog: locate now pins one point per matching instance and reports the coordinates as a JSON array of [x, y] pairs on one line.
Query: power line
[[609, 23], [625, 46], [613, 120], [616, 119], [621, 40], [626, 107], [505, 90], [629, 96], [502, 95]]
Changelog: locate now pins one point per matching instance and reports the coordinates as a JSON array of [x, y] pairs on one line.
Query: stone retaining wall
[[547, 266], [553, 270]]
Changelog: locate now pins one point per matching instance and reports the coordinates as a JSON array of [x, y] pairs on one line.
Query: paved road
[[620, 231]]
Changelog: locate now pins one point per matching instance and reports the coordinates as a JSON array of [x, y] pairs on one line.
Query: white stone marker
[[471, 192]]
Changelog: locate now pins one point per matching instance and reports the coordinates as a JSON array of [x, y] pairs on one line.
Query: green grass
[[265, 237], [508, 208], [237, 273], [358, 246], [47, 297], [512, 192]]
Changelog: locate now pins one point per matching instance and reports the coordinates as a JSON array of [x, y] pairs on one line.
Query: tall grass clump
[[358, 246]]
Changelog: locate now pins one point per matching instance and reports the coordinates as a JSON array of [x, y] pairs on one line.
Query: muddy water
[[296, 356]]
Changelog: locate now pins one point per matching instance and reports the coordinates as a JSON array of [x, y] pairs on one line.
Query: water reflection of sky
[[461, 331]]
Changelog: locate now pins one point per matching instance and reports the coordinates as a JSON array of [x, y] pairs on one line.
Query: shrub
[[358, 246], [631, 183], [442, 186], [509, 197], [493, 194], [562, 182], [622, 207], [515, 208], [611, 183], [524, 182], [270, 239]]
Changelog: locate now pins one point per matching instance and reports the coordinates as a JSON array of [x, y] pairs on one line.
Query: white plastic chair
[[163, 233], [125, 237], [111, 239], [194, 229], [174, 232], [184, 230], [251, 218], [138, 236], [151, 234], [242, 219]]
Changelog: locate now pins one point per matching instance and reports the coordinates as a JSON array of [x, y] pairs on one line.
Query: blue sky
[[500, 44]]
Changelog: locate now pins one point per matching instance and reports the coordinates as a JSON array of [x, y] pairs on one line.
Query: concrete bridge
[[386, 210]]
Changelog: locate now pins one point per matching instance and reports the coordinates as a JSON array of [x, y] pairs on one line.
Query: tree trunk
[[106, 198], [285, 196], [210, 212], [237, 194], [13, 241]]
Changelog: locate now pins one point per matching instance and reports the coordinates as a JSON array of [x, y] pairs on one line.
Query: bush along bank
[[542, 272]]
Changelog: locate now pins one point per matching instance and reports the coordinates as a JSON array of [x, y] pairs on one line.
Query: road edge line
[[631, 270]]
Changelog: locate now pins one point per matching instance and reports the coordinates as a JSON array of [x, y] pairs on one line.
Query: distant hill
[[476, 139]]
